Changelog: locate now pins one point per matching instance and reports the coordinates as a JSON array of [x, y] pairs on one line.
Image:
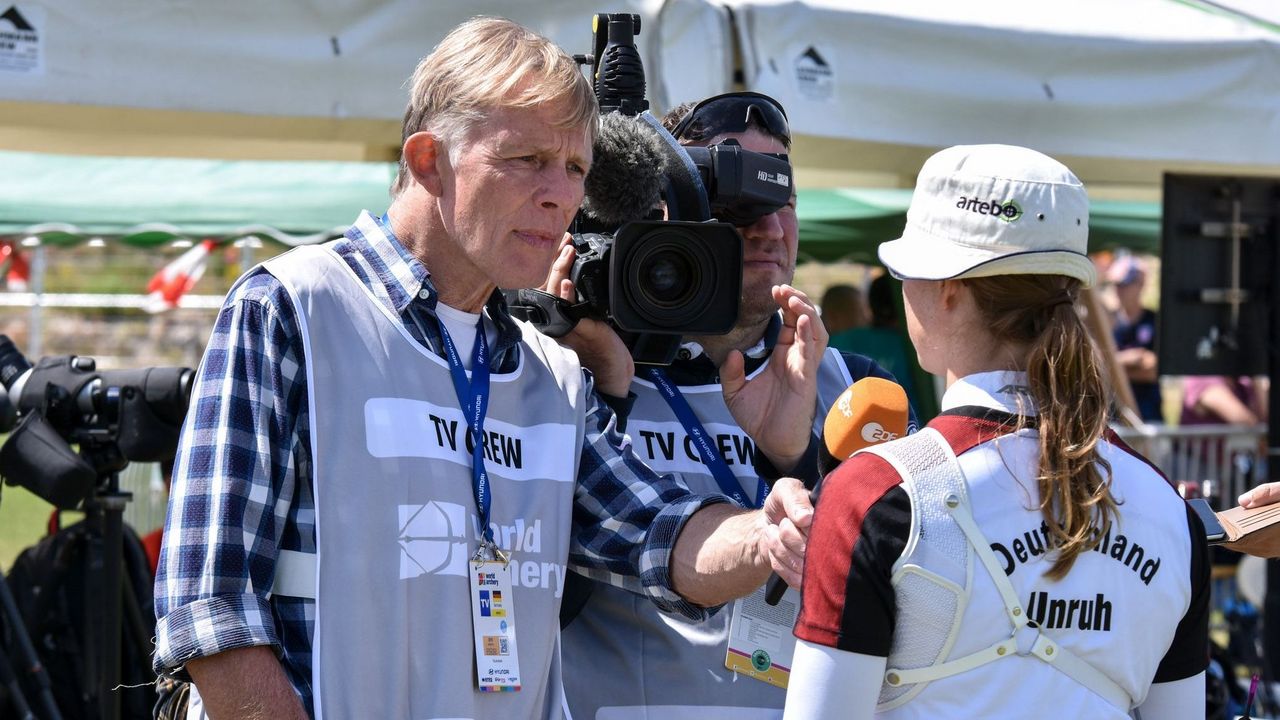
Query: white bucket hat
[[981, 210]]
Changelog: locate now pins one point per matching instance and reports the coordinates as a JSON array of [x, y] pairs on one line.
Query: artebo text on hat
[[1007, 211]]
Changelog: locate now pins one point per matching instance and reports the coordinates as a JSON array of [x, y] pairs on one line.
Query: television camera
[[653, 277]]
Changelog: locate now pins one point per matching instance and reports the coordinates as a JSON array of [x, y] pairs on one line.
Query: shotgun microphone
[[871, 411]]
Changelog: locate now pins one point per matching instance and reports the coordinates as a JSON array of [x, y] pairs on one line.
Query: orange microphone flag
[[871, 411]]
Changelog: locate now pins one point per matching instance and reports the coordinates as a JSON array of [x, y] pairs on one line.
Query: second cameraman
[[619, 654]]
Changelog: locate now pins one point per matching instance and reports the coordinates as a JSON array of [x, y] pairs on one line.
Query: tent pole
[[246, 254], [38, 268]]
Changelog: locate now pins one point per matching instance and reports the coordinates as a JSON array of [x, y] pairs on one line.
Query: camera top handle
[[616, 69]]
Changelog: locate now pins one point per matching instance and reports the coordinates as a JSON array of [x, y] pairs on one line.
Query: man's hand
[[790, 513], [777, 406], [725, 552], [1265, 494], [1264, 543], [599, 348], [245, 684]]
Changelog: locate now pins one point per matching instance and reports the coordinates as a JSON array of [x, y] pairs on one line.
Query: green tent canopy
[[150, 201], [848, 223], [146, 202]]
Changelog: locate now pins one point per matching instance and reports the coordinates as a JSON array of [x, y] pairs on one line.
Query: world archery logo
[[436, 538], [433, 540]]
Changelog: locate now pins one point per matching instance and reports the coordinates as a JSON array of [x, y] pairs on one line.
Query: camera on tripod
[[655, 278], [113, 416]]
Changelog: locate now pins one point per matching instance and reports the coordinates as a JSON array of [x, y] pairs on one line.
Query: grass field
[[23, 518]]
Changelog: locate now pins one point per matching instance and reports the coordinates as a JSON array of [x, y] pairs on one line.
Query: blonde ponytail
[[1072, 403]]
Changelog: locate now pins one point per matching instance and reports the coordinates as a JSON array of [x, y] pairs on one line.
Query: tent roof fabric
[[1175, 81], [1159, 80], [149, 201], [146, 202]]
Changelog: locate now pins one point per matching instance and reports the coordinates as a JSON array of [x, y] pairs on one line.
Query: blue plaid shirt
[[242, 483]]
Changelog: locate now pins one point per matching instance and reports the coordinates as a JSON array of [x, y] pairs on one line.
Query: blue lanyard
[[473, 397], [714, 461]]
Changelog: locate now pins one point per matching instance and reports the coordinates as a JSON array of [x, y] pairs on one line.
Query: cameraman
[[620, 654], [356, 507]]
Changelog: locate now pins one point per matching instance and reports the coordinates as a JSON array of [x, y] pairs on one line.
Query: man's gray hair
[[488, 62]]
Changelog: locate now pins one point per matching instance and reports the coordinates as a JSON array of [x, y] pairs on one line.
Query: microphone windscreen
[[628, 168], [871, 411]]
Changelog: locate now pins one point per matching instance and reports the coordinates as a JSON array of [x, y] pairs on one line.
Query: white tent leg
[[38, 269]]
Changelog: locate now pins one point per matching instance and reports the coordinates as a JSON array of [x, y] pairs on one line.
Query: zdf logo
[[843, 405], [874, 432]]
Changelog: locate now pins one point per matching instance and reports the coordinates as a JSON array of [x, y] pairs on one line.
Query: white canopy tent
[[872, 86], [1141, 79], [1122, 92], [334, 59]]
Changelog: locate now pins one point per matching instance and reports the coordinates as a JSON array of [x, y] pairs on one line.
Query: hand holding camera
[[599, 348]]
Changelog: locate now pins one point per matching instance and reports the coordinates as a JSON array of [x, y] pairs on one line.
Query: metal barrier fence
[[1223, 461]]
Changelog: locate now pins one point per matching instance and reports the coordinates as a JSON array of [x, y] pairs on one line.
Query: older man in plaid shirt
[[298, 576]]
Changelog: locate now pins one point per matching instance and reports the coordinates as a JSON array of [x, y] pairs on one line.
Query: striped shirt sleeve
[[234, 482], [627, 517]]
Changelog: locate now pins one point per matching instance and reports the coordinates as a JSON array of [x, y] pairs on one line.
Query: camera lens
[[670, 277], [667, 278]]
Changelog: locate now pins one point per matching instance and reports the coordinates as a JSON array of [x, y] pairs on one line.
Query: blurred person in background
[[1217, 399], [842, 309], [1134, 331], [884, 339]]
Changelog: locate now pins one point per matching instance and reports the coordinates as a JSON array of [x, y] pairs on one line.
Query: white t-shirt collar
[[998, 390]]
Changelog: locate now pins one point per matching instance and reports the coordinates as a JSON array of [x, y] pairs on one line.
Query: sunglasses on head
[[733, 112]]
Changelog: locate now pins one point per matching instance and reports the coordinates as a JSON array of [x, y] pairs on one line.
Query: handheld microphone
[[628, 172], [871, 411]]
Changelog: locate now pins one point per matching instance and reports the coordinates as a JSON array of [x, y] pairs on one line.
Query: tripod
[[87, 614], [31, 662], [104, 517]]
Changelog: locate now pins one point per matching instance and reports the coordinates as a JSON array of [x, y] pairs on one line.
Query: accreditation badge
[[493, 621], [761, 642]]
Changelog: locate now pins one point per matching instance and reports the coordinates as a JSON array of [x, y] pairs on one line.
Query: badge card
[[493, 620]]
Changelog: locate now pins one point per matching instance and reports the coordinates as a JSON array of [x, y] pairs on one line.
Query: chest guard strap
[[1026, 638]]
